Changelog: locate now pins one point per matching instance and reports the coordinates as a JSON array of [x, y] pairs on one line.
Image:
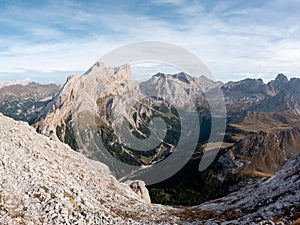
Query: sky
[[46, 41]]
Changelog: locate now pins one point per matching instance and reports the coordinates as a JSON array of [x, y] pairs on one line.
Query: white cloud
[[231, 41], [174, 2], [4, 83]]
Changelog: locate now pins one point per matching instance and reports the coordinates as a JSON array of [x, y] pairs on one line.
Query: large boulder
[[139, 187]]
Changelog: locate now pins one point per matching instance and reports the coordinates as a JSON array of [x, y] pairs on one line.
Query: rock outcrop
[[140, 189]]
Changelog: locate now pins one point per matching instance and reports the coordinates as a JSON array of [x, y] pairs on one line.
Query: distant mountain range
[[4, 83], [262, 132], [26, 102]]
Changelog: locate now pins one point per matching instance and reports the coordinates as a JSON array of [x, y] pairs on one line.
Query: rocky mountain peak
[[248, 83], [281, 78], [259, 80], [293, 85], [123, 73], [281, 82], [100, 69], [159, 76], [98, 66], [80, 93], [182, 76]]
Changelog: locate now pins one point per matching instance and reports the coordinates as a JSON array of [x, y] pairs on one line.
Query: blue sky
[[49, 40]]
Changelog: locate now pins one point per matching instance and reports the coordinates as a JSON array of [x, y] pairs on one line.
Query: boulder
[[139, 187]]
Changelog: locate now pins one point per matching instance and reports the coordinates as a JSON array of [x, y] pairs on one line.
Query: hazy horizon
[[141, 73]]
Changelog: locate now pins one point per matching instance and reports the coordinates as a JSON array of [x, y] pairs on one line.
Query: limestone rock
[[46, 182], [140, 189]]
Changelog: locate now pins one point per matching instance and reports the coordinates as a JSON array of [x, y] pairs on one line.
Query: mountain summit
[[281, 78]]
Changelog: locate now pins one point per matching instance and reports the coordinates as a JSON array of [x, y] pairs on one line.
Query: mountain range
[[107, 115], [26, 102], [261, 133]]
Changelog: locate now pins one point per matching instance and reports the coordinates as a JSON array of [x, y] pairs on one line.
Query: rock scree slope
[[46, 182]]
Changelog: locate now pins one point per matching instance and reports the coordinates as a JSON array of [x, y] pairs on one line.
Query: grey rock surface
[[46, 182], [270, 201], [139, 187]]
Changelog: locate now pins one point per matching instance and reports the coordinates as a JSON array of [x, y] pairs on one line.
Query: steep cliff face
[[245, 93], [80, 93], [182, 89], [82, 104]]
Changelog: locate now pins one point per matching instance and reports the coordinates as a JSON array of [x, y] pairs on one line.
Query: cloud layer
[[236, 39]]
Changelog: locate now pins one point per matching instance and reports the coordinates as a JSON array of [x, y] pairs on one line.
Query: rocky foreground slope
[[46, 182], [274, 200]]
